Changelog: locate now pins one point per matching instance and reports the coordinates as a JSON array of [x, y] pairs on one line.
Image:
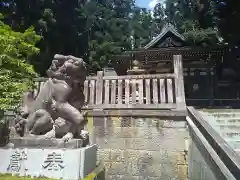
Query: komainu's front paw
[[20, 123], [84, 134], [67, 137]]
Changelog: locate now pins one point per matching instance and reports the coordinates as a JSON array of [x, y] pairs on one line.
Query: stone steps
[[235, 144], [226, 123]]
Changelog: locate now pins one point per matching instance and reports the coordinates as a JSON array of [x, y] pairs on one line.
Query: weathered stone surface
[[130, 132], [99, 121], [110, 142], [122, 177], [132, 155], [137, 143], [169, 171], [100, 131], [142, 148], [117, 168], [163, 140], [103, 154], [182, 171], [118, 155], [129, 177], [174, 124], [148, 178], [146, 169]]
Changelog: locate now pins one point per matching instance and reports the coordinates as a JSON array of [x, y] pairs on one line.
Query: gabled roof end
[[168, 27]]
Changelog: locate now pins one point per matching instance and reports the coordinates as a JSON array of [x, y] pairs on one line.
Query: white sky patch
[[153, 3]]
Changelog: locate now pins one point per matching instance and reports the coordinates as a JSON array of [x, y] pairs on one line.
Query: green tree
[[141, 23], [159, 19], [58, 22], [15, 73], [91, 29], [198, 29], [228, 15], [109, 30]]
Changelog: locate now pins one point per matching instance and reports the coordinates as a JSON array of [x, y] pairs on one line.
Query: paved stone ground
[[141, 149]]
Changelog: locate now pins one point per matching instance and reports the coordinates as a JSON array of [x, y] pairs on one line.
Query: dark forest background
[[96, 29], [32, 31]]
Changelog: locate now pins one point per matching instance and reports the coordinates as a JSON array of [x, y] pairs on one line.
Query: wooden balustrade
[[146, 91], [152, 91]]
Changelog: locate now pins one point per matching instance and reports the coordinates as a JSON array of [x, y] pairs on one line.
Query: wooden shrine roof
[[169, 42], [167, 28]]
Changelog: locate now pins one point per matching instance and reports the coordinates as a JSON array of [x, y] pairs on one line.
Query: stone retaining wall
[[140, 148]]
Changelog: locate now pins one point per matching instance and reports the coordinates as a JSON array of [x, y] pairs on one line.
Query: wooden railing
[[138, 92], [154, 91], [221, 160], [145, 91]]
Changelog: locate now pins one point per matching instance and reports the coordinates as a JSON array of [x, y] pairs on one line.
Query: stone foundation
[[141, 148]]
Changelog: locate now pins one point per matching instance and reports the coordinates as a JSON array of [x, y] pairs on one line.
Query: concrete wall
[[140, 148]]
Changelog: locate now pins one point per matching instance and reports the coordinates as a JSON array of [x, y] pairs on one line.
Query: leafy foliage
[[141, 25], [15, 72], [110, 30], [90, 29], [95, 30], [228, 15], [198, 28], [159, 19], [60, 23]]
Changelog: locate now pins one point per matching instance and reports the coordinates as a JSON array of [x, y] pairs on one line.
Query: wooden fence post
[[99, 87], [179, 83]]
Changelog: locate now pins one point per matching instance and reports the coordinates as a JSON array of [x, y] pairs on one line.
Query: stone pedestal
[[48, 158]]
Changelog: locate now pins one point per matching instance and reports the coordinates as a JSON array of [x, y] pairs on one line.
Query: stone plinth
[[19, 142], [48, 158]]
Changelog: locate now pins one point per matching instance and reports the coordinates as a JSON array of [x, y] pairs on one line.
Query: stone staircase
[[227, 123]]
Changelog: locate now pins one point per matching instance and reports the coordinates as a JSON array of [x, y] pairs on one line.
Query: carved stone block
[[57, 163]]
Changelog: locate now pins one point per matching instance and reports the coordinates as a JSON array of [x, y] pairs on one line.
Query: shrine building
[[202, 86]]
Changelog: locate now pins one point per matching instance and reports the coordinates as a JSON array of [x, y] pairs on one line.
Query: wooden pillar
[[99, 87], [179, 83]]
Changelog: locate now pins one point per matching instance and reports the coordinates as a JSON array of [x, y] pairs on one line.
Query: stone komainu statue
[[55, 112]]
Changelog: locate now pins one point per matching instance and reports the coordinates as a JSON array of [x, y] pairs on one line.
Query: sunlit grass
[[10, 177]]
